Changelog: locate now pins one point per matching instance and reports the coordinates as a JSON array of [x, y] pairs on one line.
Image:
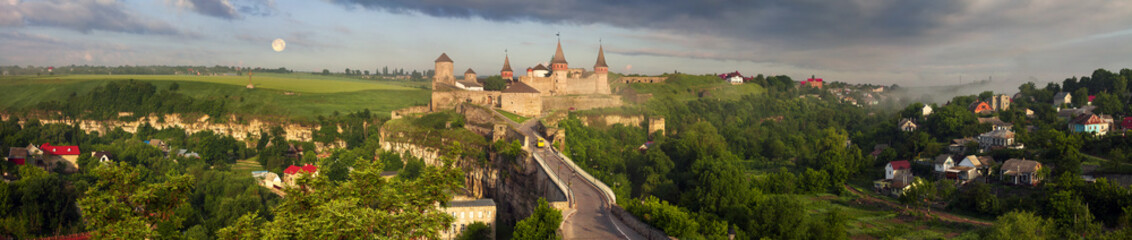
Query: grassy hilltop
[[294, 96]]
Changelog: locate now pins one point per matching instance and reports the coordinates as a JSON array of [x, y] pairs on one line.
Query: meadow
[[291, 96], [685, 87]]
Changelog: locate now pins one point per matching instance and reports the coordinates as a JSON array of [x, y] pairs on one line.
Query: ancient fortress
[[540, 90]]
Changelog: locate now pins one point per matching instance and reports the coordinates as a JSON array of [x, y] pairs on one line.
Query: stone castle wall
[[581, 102], [525, 104], [444, 100]]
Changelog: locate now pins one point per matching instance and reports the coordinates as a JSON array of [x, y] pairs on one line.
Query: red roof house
[[1127, 124], [813, 82], [291, 173], [60, 150], [900, 165], [895, 167]]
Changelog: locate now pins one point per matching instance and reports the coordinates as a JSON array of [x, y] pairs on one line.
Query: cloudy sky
[[912, 43]]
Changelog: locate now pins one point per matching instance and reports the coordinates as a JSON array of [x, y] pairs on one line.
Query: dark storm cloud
[[810, 23], [228, 9], [81, 15]]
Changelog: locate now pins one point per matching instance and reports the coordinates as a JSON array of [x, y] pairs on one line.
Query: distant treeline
[[160, 70], [140, 98]]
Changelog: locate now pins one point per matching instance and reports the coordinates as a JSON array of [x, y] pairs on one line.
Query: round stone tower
[[602, 72], [443, 71], [470, 75]]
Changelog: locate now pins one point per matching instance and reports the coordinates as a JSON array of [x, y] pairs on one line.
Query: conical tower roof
[[469, 71], [558, 56], [600, 58], [506, 64], [443, 58]]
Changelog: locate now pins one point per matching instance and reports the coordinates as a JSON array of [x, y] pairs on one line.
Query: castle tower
[[602, 72], [558, 69], [506, 73], [470, 75], [443, 71], [559, 62]]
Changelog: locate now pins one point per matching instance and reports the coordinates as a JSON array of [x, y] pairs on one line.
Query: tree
[[1071, 217], [778, 217], [366, 205], [348, 72], [1081, 96], [716, 186], [122, 205], [1108, 104], [542, 224], [494, 83], [951, 121], [1019, 225], [367, 73], [919, 194], [325, 71], [673, 220], [476, 231]]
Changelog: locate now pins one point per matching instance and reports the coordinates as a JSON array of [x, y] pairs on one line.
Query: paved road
[[592, 218]]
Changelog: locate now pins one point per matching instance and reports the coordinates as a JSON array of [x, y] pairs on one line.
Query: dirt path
[[941, 215]]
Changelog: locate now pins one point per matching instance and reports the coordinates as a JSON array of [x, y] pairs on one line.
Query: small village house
[[814, 82], [961, 174], [999, 138], [1000, 102], [981, 164], [942, 163], [895, 167], [980, 107], [67, 155], [268, 179], [158, 144], [1020, 172], [907, 125], [959, 145], [102, 157], [927, 110], [293, 172], [17, 155], [1089, 123], [1062, 98], [900, 181], [996, 123]]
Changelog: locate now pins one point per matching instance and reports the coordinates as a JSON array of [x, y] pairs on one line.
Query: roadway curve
[[592, 217]]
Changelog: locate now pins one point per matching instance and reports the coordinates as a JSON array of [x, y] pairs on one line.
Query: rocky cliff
[[240, 131]]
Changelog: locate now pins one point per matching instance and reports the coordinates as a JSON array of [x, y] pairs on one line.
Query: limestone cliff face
[[514, 184], [612, 119], [239, 131]]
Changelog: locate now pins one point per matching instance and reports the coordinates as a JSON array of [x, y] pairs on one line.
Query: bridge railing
[[554, 178], [604, 189]]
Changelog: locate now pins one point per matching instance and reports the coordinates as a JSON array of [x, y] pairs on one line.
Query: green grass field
[[689, 87], [312, 96], [512, 116], [247, 165], [867, 221], [305, 83]]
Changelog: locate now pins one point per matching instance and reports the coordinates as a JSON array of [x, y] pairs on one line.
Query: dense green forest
[[744, 163]]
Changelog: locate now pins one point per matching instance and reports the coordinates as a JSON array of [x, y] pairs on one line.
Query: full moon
[[278, 45]]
